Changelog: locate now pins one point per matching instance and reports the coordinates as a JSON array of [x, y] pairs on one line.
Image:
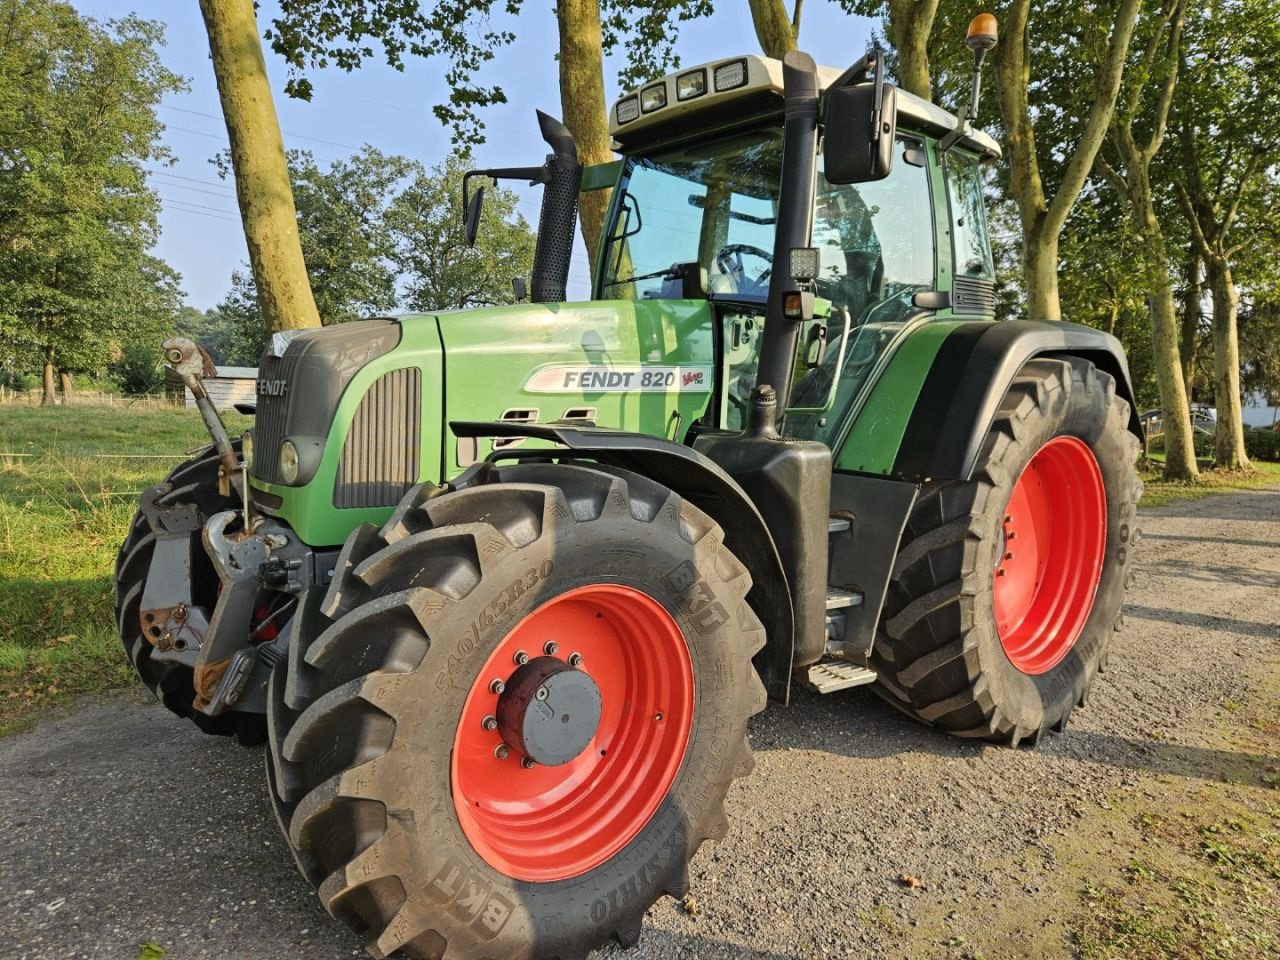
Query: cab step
[[828, 676]]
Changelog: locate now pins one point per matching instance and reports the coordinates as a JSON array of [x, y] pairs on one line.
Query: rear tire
[[193, 482], [950, 652], [374, 729]]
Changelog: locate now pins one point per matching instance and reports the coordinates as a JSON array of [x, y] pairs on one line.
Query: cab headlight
[[246, 449], [290, 463]]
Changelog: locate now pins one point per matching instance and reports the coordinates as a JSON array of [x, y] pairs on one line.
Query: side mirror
[[860, 124], [471, 222]]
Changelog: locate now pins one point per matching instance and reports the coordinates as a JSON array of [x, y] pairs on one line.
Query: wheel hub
[[549, 711]]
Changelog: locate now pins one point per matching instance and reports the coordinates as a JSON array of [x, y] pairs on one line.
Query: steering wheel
[[729, 260]]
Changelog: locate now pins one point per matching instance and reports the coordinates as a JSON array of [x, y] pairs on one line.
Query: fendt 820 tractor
[[502, 588]]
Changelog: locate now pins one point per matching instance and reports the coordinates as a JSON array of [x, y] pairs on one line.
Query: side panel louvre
[[382, 451]]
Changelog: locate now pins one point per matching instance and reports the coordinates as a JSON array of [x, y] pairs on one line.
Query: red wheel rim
[[549, 823], [1049, 564]]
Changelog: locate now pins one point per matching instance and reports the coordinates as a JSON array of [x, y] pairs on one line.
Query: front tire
[[392, 768], [1007, 589]]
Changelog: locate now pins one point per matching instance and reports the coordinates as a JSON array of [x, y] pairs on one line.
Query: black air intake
[[559, 217]]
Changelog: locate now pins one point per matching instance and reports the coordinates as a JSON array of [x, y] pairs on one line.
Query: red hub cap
[[1053, 540], [573, 733]]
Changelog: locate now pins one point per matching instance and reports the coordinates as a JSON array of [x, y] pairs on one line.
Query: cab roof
[[752, 84]]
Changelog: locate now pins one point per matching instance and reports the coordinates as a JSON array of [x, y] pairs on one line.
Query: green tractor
[[504, 587]]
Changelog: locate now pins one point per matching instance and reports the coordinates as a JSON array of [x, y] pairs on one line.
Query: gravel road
[[122, 826]]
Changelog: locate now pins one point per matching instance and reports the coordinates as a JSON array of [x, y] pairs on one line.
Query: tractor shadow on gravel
[[859, 725]]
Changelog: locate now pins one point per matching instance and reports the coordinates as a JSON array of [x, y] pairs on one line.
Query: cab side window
[[968, 216]]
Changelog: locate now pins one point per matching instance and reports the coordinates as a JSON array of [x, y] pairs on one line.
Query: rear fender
[[702, 483], [970, 376]]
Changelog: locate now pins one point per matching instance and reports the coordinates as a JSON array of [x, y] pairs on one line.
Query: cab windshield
[[713, 203]]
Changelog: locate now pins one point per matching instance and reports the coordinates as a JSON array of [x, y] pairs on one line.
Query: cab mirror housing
[[860, 123], [471, 222]]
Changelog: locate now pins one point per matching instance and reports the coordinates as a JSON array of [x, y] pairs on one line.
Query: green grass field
[[70, 478]]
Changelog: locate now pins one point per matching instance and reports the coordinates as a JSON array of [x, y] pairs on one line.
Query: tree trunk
[[1040, 272], [774, 29], [1229, 443], [1043, 217], [582, 102], [910, 23], [1190, 339], [68, 388], [257, 157], [1180, 454], [50, 395]]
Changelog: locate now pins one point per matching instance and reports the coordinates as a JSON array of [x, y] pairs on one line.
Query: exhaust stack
[[559, 217], [561, 177]]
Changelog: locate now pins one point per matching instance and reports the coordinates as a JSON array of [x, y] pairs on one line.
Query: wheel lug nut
[[1012, 535], [551, 648], [528, 763], [542, 693], [502, 751], [497, 686], [575, 659], [1000, 572], [1009, 555], [521, 658], [489, 723]]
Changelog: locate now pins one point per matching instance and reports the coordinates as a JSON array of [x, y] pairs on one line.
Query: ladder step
[[839, 599], [828, 676]]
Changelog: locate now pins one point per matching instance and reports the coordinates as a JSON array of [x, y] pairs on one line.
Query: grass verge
[[70, 478], [1158, 491]]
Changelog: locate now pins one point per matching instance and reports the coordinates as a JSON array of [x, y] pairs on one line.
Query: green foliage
[[1262, 445], [138, 370], [466, 35], [381, 233], [77, 125], [437, 268]]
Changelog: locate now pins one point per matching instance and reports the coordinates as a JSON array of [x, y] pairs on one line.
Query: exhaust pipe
[[558, 219], [561, 178]]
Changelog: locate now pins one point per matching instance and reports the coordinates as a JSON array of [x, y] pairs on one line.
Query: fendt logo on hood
[[272, 388]]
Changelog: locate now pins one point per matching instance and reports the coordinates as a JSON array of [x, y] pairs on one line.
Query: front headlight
[[289, 462], [246, 450]]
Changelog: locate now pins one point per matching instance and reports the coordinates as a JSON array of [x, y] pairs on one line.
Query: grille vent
[[973, 295], [380, 457], [270, 421]]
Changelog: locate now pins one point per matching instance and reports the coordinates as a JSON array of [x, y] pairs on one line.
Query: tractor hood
[[350, 417]]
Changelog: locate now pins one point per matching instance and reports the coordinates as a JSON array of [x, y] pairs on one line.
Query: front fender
[[702, 483]]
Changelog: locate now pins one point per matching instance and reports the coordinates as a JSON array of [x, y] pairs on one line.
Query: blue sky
[[202, 238]]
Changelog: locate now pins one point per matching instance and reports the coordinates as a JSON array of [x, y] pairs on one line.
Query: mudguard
[[969, 377], [698, 480]]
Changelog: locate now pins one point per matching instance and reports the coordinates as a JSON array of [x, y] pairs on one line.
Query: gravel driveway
[[122, 826]]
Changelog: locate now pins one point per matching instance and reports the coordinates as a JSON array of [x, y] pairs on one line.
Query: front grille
[[973, 295], [272, 416], [298, 393], [381, 454]]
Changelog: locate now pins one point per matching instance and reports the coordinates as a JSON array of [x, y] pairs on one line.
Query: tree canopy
[[77, 127]]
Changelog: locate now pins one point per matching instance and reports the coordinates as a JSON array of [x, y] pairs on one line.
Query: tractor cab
[[694, 215]]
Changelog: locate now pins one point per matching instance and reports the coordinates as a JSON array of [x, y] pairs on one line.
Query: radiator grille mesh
[[270, 421], [382, 450]]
